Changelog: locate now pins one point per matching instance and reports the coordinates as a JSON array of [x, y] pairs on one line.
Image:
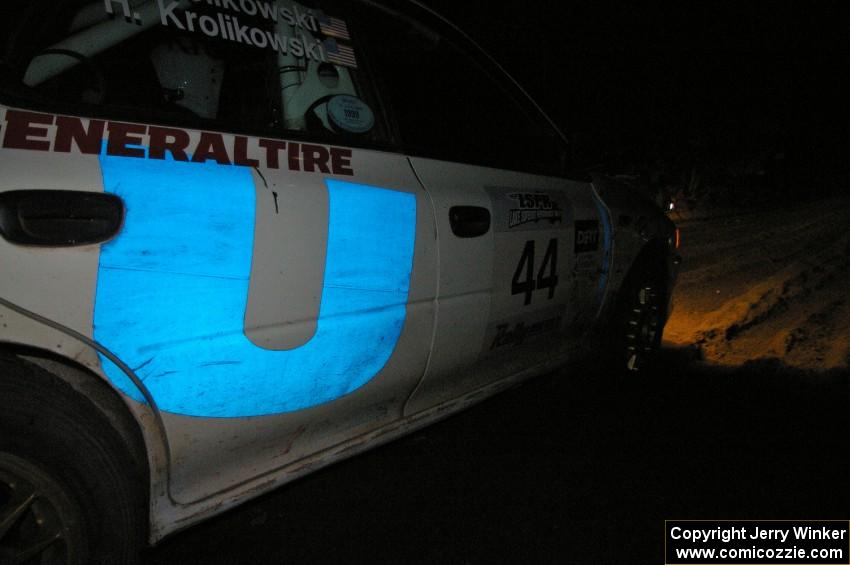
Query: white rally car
[[243, 239]]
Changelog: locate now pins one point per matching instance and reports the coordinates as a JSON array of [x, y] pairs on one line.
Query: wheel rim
[[39, 524], [643, 326]]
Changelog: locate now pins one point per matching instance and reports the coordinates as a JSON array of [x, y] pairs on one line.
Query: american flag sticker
[[333, 27], [339, 54]]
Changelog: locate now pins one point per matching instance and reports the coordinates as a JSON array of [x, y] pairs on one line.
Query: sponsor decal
[[46, 132], [516, 209], [587, 236], [533, 207], [585, 263], [515, 334], [172, 290]]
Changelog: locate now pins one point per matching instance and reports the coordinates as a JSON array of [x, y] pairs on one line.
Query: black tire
[[65, 475], [638, 321]]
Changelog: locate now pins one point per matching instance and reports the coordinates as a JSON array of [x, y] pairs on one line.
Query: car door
[[528, 304], [272, 287], [522, 249]]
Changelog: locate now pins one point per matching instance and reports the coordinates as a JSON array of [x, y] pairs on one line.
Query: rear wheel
[[39, 523], [69, 491]]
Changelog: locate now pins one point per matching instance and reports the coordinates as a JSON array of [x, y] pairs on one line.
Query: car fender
[[639, 229], [74, 358]]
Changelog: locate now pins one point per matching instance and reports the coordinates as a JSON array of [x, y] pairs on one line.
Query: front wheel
[[638, 322]]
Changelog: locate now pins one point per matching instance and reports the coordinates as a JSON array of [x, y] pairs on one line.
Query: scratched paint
[[172, 291]]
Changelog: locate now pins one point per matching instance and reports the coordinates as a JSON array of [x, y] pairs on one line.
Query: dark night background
[[729, 102]]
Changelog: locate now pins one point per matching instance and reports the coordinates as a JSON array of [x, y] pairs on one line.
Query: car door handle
[[469, 221], [59, 218]]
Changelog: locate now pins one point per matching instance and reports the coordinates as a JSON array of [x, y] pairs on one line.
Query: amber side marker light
[[675, 239]]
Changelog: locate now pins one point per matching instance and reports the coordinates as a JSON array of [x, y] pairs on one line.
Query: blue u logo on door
[[172, 290]]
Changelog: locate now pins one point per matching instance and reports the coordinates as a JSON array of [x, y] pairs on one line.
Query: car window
[[450, 101], [256, 66]]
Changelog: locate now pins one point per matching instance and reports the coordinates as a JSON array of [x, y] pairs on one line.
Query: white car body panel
[[210, 456], [214, 455], [475, 298]]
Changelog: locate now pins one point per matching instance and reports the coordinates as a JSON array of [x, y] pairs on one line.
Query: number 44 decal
[[524, 281]]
